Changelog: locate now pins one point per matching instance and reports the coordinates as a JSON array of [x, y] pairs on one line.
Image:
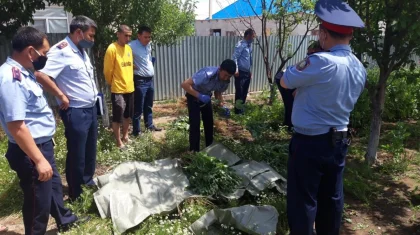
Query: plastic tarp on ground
[[256, 176], [249, 219], [135, 190]]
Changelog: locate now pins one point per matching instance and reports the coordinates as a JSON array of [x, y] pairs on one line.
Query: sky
[[202, 7]]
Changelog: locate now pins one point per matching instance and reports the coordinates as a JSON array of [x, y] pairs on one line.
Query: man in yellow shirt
[[118, 71]]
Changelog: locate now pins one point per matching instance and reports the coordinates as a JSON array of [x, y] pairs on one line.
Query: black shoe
[[66, 227], [153, 128]]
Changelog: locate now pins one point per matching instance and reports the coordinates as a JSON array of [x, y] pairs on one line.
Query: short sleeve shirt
[[328, 86], [22, 99], [206, 80], [73, 73]]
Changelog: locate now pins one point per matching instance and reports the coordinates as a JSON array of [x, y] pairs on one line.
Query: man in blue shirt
[[70, 67], [30, 125], [328, 86], [143, 80], [243, 59], [199, 90]]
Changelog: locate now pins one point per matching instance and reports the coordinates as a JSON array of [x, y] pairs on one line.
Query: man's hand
[[204, 98], [237, 74], [294, 93], [64, 102], [44, 170]]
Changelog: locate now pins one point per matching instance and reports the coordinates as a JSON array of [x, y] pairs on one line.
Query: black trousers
[[195, 108], [287, 97], [40, 199]]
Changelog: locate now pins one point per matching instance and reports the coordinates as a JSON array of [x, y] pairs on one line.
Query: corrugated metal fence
[[176, 63]]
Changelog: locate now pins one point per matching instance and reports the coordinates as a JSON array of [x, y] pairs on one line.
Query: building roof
[[247, 8], [240, 8]]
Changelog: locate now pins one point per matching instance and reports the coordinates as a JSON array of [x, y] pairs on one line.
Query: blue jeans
[[315, 184], [40, 199], [143, 102], [241, 88], [81, 131]]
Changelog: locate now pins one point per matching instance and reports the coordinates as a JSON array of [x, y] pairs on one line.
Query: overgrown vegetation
[[399, 154], [209, 176]]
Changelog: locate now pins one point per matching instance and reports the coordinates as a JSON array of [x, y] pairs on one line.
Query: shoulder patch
[[303, 64], [62, 45], [16, 74]]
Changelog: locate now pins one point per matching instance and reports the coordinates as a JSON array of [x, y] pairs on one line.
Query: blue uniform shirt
[[206, 80], [73, 73], [142, 59], [328, 86], [22, 99], [243, 56]]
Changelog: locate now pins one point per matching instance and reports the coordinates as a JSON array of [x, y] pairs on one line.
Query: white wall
[[204, 27]]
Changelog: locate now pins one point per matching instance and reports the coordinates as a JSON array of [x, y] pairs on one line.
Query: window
[[51, 20], [230, 33], [216, 32]]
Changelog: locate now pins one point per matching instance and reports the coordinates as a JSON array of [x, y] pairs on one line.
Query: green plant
[[210, 176], [399, 162]]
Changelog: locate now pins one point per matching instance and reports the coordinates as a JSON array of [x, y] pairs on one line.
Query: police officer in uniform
[[69, 65], [30, 125], [328, 86], [243, 59], [199, 90]]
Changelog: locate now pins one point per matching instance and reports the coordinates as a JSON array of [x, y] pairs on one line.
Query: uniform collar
[[14, 63], [340, 47], [73, 46]]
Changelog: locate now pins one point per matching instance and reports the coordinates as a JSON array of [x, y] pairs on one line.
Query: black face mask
[[40, 63]]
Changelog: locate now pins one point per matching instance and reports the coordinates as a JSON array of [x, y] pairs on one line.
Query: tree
[[287, 16], [108, 14], [17, 13], [390, 37]]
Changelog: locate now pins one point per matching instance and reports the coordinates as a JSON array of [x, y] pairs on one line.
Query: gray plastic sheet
[[256, 176], [136, 190], [249, 219]]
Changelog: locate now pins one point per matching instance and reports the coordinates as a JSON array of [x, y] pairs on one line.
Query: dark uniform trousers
[[40, 199], [81, 131], [143, 102], [315, 184], [195, 108], [287, 97], [241, 88]]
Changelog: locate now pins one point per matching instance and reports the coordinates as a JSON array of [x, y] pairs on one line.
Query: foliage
[[18, 13], [209, 176], [390, 38], [402, 99]]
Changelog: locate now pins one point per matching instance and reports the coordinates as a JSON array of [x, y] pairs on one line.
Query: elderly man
[[69, 65], [118, 71], [328, 86]]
